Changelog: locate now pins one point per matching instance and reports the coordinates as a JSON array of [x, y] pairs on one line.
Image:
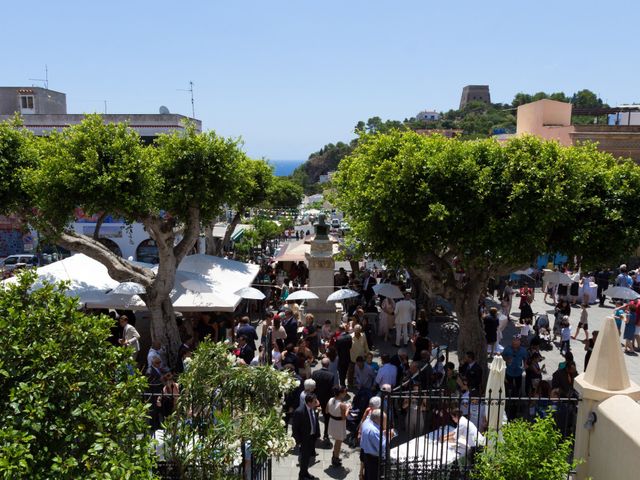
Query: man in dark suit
[[246, 329], [246, 350], [367, 286], [290, 325], [325, 381], [306, 430], [472, 372], [343, 347]]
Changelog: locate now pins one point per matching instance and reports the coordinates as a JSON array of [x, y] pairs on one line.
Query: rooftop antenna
[[45, 80], [190, 90]]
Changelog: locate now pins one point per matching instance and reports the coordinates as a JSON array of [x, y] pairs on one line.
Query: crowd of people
[[381, 344]]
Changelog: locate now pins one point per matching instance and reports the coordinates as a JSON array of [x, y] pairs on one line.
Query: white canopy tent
[[90, 282]]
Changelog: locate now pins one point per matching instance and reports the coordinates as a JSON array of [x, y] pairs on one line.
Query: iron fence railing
[[424, 438], [248, 466]]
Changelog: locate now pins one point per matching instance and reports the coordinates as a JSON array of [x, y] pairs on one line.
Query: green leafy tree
[[437, 204], [70, 404], [526, 451], [284, 193], [222, 407], [171, 187], [586, 99], [253, 180]]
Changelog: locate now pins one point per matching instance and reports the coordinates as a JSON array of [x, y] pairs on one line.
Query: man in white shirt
[[405, 313], [156, 350], [466, 435], [388, 372], [130, 336]]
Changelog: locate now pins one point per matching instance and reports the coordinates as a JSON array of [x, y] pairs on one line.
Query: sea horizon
[[283, 168]]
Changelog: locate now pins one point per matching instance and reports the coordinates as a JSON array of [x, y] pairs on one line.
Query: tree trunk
[[472, 337], [213, 245], [163, 324], [438, 276]]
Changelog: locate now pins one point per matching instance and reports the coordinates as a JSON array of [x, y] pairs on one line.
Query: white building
[[428, 116]]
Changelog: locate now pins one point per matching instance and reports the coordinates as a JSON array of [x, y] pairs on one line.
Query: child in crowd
[[583, 323], [371, 363], [526, 330], [326, 332], [565, 336]]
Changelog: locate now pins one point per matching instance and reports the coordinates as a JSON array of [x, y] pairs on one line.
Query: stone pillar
[[321, 271], [605, 377]]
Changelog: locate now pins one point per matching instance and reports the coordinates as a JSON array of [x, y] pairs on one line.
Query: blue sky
[[291, 76]]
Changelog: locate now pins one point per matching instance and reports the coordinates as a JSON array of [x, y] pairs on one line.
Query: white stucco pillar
[[321, 271], [605, 377]]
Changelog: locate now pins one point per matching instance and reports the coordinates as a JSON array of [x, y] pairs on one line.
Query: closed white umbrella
[[302, 295], [623, 293], [250, 293], [342, 294], [495, 391], [128, 288], [557, 278], [387, 290]]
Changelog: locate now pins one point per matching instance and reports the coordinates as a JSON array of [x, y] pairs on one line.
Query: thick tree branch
[[190, 234], [231, 227], [96, 231], [118, 268]]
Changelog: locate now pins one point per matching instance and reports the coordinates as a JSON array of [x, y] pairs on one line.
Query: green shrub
[[223, 405], [70, 404], [526, 451]]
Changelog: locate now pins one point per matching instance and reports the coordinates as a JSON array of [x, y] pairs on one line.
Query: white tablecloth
[[592, 291], [427, 450]]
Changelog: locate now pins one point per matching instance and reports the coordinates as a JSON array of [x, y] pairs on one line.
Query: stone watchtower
[[321, 271], [475, 93]]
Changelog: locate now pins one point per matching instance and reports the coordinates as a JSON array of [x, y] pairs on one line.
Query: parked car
[[344, 226], [13, 262], [335, 223]]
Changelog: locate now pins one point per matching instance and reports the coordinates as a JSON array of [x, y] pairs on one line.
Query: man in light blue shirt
[[388, 372], [370, 443]]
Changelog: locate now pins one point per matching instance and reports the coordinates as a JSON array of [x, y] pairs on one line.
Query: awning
[[90, 282]]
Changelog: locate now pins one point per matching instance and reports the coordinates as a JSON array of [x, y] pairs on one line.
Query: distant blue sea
[[285, 167]]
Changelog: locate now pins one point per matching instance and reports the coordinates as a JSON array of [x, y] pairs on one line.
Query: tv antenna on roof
[[45, 80], [190, 90]]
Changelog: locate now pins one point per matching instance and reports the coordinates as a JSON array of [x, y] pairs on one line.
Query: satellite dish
[[164, 110]]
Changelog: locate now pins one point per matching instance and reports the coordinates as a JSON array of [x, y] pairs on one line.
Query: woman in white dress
[[507, 299], [338, 409], [387, 318]]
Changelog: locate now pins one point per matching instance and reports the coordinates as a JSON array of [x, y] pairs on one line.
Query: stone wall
[[620, 141]]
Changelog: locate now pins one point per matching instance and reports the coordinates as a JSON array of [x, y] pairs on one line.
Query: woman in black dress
[[574, 289]]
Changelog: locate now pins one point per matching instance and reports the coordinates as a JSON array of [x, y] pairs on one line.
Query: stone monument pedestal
[[321, 272]]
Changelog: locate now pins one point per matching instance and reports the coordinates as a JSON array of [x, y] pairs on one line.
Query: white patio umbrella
[[495, 390], [387, 290], [342, 294], [250, 293], [623, 293], [557, 278], [302, 295], [128, 288]]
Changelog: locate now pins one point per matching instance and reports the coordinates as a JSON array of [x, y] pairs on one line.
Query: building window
[[26, 103], [147, 252]]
